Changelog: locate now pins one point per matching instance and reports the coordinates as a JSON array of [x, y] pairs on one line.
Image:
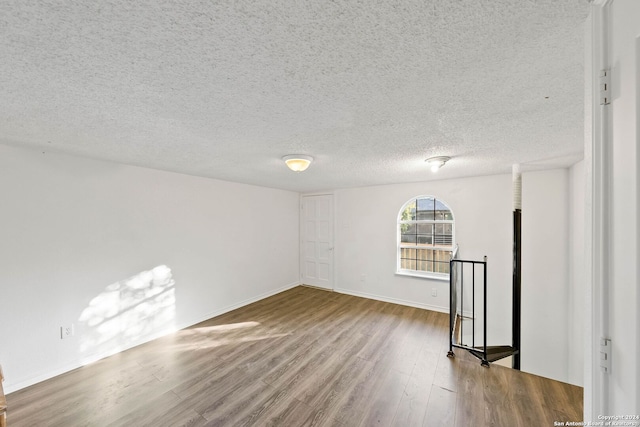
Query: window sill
[[431, 276]]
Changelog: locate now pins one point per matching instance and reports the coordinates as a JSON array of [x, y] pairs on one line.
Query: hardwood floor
[[304, 357]]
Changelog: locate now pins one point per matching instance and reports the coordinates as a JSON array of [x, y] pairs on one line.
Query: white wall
[[365, 256], [366, 236], [78, 235], [545, 273]]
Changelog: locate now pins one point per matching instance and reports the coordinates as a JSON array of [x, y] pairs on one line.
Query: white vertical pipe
[[517, 187]]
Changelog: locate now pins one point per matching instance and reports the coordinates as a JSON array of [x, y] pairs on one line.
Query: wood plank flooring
[[304, 357]]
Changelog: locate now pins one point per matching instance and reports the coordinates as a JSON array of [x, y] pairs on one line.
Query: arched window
[[426, 237]]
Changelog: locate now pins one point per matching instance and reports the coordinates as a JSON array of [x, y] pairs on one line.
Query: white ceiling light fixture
[[297, 162], [437, 162]]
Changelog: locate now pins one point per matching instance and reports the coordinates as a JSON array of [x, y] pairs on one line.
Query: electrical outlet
[[66, 331], [363, 277], [434, 292]]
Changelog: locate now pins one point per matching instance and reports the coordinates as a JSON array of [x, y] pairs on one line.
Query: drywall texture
[[126, 254], [192, 86], [365, 256]]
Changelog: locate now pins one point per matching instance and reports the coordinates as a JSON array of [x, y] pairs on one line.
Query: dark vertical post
[[452, 304], [461, 303], [484, 278], [451, 297], [517, 262], [473, 306], [517, 287]]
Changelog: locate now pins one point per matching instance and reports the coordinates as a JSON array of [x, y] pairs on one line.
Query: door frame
[[597, 222]]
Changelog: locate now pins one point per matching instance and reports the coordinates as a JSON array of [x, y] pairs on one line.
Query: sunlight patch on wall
[[128, 312]]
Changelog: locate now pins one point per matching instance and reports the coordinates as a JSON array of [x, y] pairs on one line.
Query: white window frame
[[400, 245]]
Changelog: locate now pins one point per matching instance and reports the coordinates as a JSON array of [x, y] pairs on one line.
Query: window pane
[[425, 208], [425, 239], [441, 267], [424, 228], [426, 204], [408, 228], [408, 238], [422, 236], [428, 215], [443, 234], [442, 256], [430, 254], [428, 260], [409, 213], [440, 215]]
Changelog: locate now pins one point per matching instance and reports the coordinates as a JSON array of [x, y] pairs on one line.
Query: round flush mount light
[[436, 163], [297, 162]]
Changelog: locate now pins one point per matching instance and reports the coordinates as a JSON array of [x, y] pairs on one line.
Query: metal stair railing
[[462, 316]]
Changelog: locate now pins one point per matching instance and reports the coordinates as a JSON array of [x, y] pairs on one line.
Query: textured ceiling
[[224, 89]]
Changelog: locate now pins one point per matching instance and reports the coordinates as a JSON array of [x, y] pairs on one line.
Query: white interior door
[[316, 232]]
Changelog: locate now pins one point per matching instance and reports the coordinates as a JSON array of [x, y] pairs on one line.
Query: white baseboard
[[437, 308], [10, 387]]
